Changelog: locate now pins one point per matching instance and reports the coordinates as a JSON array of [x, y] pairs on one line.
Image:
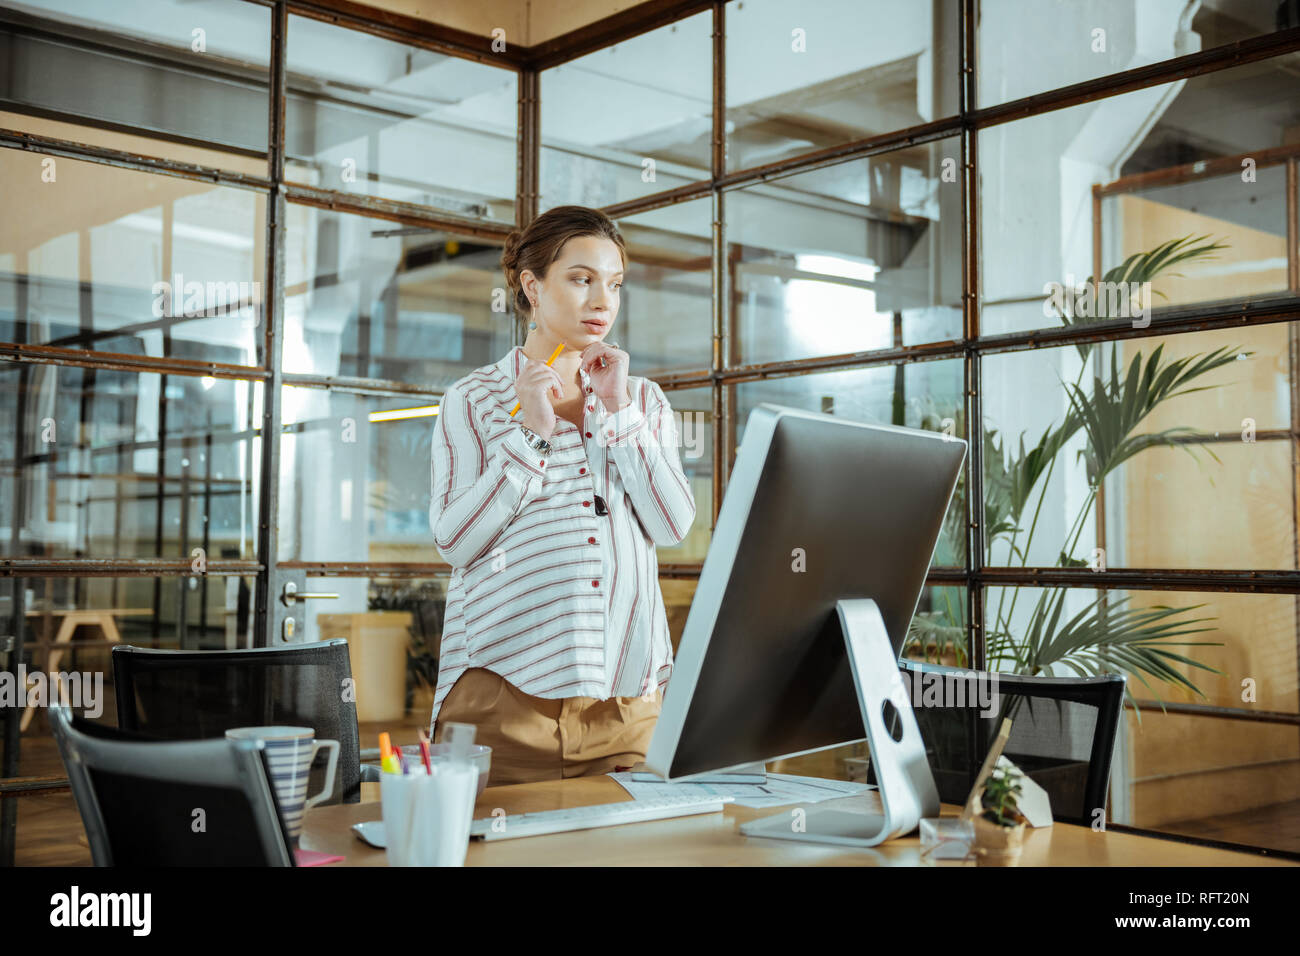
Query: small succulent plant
[[1001, 795]]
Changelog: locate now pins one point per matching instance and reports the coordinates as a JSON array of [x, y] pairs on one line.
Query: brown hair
[[541, 241]]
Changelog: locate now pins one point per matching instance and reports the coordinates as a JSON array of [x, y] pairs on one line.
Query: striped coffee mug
[[290, 752]]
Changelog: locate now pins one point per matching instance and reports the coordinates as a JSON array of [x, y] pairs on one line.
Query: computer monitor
[[818, 510]]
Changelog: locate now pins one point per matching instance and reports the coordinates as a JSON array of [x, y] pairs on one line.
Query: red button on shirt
[[582, 471], [588, 434], [591, 541], [586, 504], [595, 584], [542, 462], [589, 389], [591, 408]]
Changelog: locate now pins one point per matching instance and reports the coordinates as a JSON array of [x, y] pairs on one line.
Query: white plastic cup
[[427, 816]]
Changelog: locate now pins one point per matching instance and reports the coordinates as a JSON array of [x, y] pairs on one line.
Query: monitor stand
[[906, 787]]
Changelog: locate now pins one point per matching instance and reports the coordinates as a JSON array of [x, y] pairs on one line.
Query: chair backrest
[[195, 695], [171, 803], [1062, 731]]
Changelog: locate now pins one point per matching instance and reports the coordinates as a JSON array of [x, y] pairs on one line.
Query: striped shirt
[[545, 591]]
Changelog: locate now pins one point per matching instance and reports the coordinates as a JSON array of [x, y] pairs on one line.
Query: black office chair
[[195, 695], [171, 803], [1062, 734]]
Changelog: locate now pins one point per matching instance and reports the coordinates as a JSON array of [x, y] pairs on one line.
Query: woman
[[555, 641]]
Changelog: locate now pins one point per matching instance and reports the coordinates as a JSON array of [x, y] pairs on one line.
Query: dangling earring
[[532, 305]]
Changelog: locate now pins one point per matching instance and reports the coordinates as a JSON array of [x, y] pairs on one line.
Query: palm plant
[[1105, 636]]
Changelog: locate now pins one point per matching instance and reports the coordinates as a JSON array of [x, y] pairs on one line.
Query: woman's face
[[578, 300]]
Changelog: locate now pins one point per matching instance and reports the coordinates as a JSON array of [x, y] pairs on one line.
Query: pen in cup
[[425, 754], [387, 757]]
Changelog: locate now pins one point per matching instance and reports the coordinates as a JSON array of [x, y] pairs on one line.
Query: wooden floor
[[1276, 826], [50, 831]]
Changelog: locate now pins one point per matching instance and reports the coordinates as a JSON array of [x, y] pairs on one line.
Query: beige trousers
[[533, 738]]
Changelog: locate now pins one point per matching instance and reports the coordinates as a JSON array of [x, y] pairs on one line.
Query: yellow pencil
[[554, 355]]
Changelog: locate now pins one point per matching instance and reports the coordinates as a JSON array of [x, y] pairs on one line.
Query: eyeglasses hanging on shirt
[[601, 507]]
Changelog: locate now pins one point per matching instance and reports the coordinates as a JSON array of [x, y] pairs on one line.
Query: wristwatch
[[535, 441]]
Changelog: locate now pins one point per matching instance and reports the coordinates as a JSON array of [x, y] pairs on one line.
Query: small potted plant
[[1000, 826]]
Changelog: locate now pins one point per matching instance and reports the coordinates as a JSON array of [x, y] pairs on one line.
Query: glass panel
[[629, 120], [693, 419], [381, 616], [1192, 166], [834, 72], [863, 255], [1216, 491], [1248, 219], [938, 632], [1029, 46], [354, 477], [364, 297], [667, 302], [370, 116], [120, 261], [165, 68], [678, 594], [70, 626], [378, 611], [1238, 782], [97, 479], [919, 395], [130, 143]]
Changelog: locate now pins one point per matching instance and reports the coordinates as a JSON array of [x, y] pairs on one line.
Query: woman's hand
[[536, 383], [608, 382]]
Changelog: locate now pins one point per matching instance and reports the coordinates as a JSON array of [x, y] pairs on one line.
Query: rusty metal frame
[[268, 511], [410, 31], [972, 366], [117, 567], [721, 293], [528, 62]]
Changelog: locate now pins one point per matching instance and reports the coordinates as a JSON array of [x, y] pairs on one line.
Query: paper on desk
[[780, 789]]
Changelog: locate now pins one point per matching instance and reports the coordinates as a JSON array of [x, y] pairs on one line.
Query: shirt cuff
[[516, 448], [622, 426]]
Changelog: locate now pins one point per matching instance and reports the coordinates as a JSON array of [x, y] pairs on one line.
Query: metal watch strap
[[535, 441]]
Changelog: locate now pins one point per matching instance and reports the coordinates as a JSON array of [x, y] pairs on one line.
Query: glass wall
[[367, 115], [1097, 290], [367, 298], [859, 256], [630, 120]]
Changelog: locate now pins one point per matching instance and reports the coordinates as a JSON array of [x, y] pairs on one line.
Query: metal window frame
[[528, 62]]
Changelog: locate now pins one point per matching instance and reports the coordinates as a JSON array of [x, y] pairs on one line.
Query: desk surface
[[712, 840]]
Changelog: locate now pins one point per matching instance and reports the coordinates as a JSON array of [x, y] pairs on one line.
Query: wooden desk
[[711, 839]]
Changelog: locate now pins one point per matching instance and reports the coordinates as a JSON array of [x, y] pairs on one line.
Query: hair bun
[[511, 251], [510, 256]]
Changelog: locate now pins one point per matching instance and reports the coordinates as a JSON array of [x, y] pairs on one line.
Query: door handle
[[290, 595]]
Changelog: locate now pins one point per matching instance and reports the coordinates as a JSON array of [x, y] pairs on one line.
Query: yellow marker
[[388, 761], [554, 355]]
